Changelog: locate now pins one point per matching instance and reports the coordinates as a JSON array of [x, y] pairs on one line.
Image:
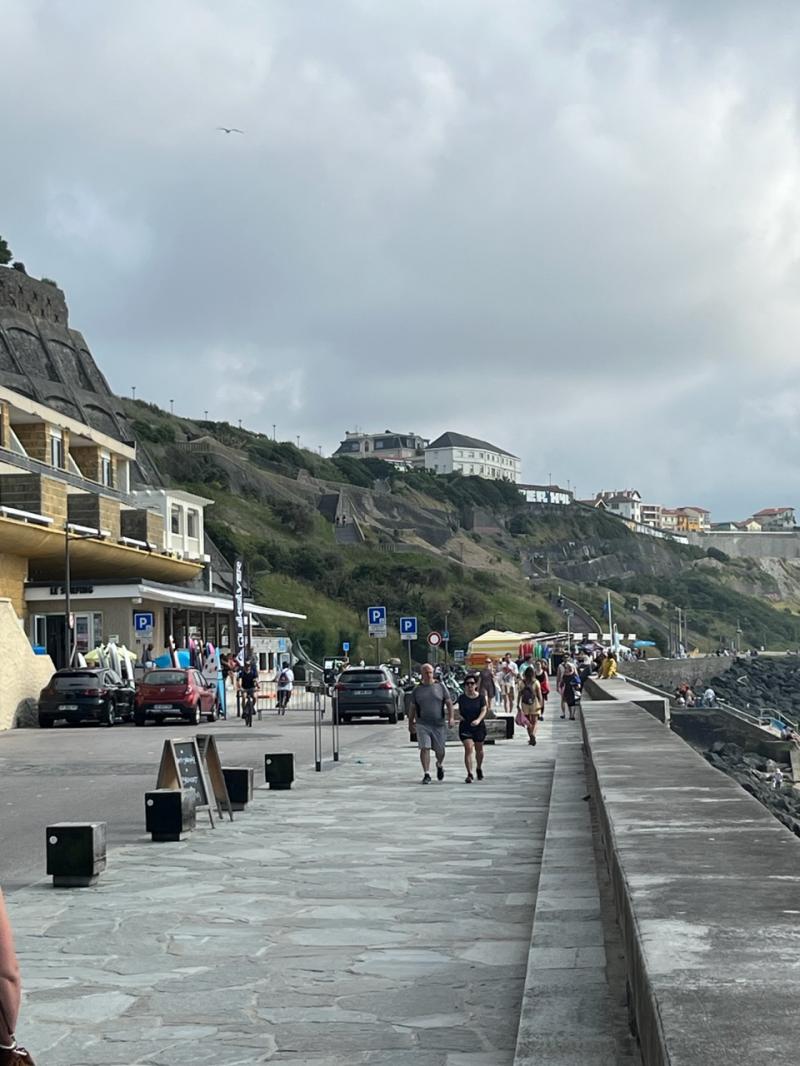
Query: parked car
[[363, 691], [93, 694], [172, 693]]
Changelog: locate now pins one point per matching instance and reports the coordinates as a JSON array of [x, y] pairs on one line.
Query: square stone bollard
[[169, 812], [76, 853], [239, 782], [279, 769]]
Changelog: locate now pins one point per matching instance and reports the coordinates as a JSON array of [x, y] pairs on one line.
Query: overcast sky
[[570, 228]]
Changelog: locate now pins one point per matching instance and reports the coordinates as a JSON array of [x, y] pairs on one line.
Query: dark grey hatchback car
[[86, 694], [367, 691]]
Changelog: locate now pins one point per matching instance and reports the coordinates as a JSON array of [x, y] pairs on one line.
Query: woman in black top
[[472, 708]]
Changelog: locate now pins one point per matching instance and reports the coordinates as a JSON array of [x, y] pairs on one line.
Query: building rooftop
[[460, 440], [765, 512]]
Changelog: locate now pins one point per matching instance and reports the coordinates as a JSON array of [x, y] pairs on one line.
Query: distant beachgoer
[[609, 667], [540, 673], [486, 683], [570, 690], [510, 674], [529, 704]]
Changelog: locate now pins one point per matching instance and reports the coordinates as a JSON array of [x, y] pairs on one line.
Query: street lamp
[[83, 533], [172, 407], [133, 391]]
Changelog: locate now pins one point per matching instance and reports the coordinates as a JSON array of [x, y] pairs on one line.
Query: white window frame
[[57, 449]]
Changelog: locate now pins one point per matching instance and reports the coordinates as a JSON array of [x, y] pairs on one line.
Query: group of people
[[246, 681], [519, 687], [685, 696]]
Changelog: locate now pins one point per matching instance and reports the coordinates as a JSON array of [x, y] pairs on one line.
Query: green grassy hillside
[[266, 495]]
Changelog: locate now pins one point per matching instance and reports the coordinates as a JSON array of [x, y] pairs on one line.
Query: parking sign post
[[408, 633], [376, 621]]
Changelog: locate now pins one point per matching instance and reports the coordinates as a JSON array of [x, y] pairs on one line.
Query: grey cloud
[[571, 228]]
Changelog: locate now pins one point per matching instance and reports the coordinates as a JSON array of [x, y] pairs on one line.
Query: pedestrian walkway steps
[[566, 1012], [359, 918]]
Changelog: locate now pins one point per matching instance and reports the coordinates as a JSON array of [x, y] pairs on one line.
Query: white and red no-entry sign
[[435, 639]]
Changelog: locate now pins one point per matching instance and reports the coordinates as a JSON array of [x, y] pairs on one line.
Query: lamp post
[[83, 533]]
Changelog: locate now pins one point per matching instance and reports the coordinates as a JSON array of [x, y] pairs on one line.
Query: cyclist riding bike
[[248, 686]]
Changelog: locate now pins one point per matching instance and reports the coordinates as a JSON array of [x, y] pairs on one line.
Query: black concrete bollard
[[76, 853], [169, 812], [279, 769], [239, 783]]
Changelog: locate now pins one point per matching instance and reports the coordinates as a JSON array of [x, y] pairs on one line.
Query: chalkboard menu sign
[[182, 767], [188, 760]]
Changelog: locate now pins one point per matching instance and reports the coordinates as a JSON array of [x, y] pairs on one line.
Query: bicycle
[[249, 707]]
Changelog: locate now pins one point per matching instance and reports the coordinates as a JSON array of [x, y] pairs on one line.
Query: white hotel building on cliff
[[455, 453]]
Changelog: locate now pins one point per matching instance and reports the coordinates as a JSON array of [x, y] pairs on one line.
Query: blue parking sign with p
[[408, 628], [377, 616], [143, 621]]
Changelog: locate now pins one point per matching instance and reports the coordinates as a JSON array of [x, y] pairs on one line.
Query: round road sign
[[434, 639]]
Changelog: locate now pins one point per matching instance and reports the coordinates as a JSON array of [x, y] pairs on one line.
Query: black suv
[[86, 694], [362, 691]]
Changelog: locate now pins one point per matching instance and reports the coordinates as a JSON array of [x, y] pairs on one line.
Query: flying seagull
[[229, 129]]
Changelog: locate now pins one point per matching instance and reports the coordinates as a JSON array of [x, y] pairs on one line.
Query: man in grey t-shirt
[[430, 711]]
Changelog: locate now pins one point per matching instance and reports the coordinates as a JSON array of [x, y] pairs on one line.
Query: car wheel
[[110, 715], [139, 718], [213, 714], [196, 715], [45, 723]]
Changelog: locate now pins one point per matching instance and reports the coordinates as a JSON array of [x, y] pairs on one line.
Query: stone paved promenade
[[359, 918]]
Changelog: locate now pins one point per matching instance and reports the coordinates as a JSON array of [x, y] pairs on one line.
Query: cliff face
[[44, 359]]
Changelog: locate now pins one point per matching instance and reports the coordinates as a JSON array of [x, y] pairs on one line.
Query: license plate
[[361, 692], [68, 706], [162, 707]]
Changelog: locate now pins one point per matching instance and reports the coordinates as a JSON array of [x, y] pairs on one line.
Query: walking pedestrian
[[529, 704], [540, 673], [486, 685], [429, 708], [510, 674], [11, 1054], [473, 706], [570, 691], [285, 686]]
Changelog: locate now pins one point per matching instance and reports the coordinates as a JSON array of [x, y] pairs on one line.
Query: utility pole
[[610, 621], [205, 415], [446, 639], [133, 391], [172, 407], [67, 604], [273, 432]]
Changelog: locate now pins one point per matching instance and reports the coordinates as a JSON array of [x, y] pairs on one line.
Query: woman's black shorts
[[476, 733]]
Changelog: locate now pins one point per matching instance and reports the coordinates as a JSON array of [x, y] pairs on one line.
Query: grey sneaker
[[426, 780]]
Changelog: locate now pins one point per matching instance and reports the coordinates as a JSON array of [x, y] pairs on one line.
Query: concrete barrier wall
[[619, 688], [705, 882], [22, 674], [669, 673]]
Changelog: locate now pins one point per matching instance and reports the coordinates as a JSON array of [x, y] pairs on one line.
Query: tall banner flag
[[238, 610]]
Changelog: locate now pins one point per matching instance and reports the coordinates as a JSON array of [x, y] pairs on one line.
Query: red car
[[174, 693]]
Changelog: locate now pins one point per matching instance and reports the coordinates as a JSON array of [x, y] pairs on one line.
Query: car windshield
[[76, 680], [164, 677], [363, 677]]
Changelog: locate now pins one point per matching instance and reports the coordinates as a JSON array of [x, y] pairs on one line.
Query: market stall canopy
[[496, 643]]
